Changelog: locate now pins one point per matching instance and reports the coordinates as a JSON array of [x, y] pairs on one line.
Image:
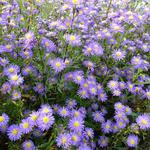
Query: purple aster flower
[[14, 132], [16, 95], [6, 88], [26, 126], [136, 61], [147, 94], [71, 103], [27, 70], [89, 133], [64, 140], [143, 121], [98, 116], [122, 85], [28, 145], [63, 112], [119, 115], [12, 69], [15, 79], [78, 77], [8, 48], [48, 45], [121, 124], [57, 64], [45, 121], [128, 110], [3, 61], [76, 114], [33, 117], [118, 54], [89, 64], [117, 28], [102, 96], [116, 92], [73, 40], [3, 128], [46, 109], [4, 119], [92, 90], [83, 93], [37, 133], [119, 107], [106, 126], [39, 88], [84, 146], [103, 141], [75, 138], [26, 54], [76, 124], [132, 140], [113, 84]]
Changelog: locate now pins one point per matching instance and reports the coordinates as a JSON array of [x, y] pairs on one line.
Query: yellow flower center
[[118, 54], [28, 36], [72, 38], [8, 46], [132, 141], [83, 93], [76, 124], [89, 49], [14, 131], [148, 93], [45, 110], [120, 123], [85, 85], [74, 138], [63, 140], [15, 78], [2, 118], [25, 125], [46, 44], [78, 78], [93, 90], [75, 1], [28, 144], [26, 53], [34, 117], [107, 126], [11, 70], [64, 111], [76, 114], [58, 64], [45, 119], [144, 122]]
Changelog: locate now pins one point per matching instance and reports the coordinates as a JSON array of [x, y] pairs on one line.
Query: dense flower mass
[[74, 74]]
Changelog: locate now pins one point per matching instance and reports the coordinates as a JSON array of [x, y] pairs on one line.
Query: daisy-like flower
[[39, 88], [15, 79], [3, 128], [75, 138], [119, 107], [107, 126], [76, 124], [83, 93], [16, 95], [28, 145], [132, 140], [63, 112], [46, 109], [73, 40], [48, 45], [143, 121], [103, 141], [78, 77], [64, 140], [4, 119], [118, 55], [98, 116], [14, 132], [3, 61], [121, 124], [102, 96], [37, 132], [71, 103], [33, 117], [147, 94], [113, 84], [88, 133], [26, 126], [12, 69], [117, 28], [136, 61], [57, 64], [45, 121]]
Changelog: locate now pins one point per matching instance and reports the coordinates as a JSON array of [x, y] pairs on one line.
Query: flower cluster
[[74, 74]]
